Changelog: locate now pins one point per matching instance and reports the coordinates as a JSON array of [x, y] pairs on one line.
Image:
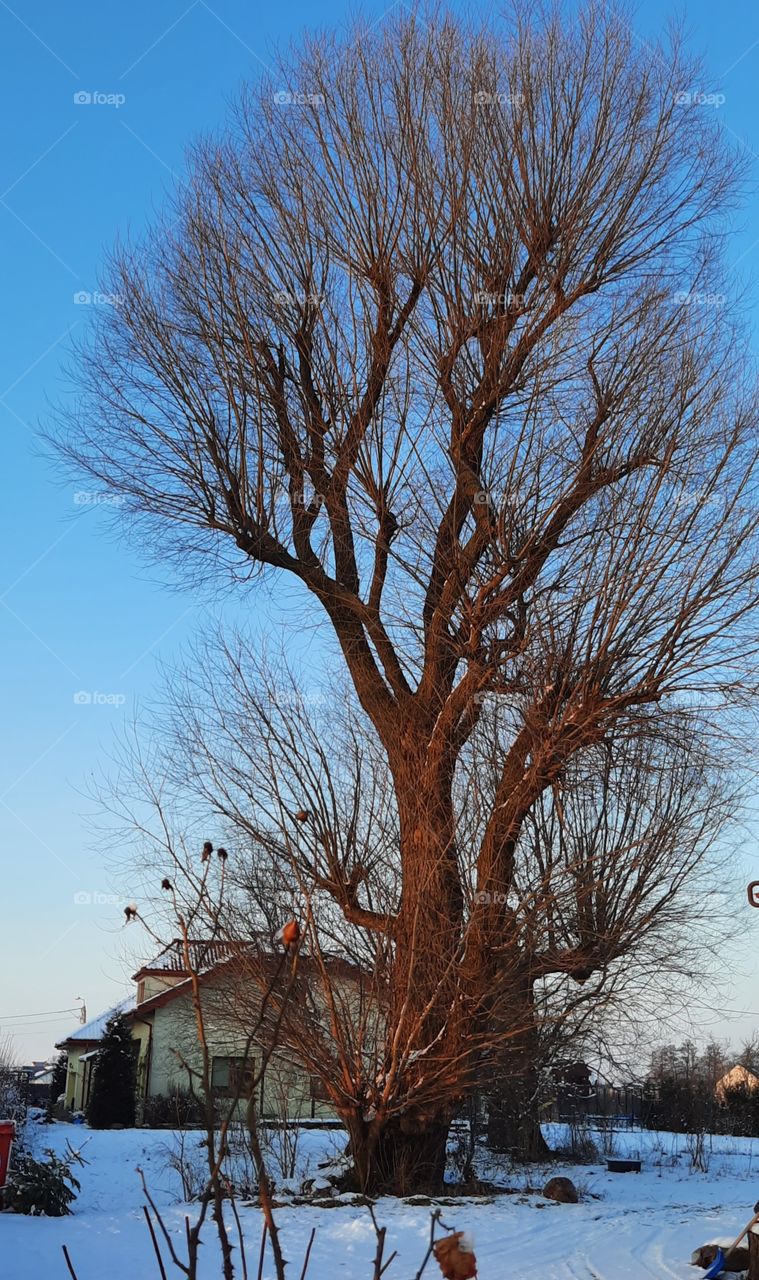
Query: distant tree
[[112, 1100], [749, 1054], [58, 1082], [740, 1110]]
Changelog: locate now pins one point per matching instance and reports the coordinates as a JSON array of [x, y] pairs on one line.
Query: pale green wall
[[286, 1087]]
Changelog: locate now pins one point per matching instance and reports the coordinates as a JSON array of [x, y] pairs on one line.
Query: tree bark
[[753, 1254], [514, 1120], [403, 1156], [404, 1152], [514, 1125]]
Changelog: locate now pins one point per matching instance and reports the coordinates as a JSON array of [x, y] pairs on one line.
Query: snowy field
[[627, 1226]]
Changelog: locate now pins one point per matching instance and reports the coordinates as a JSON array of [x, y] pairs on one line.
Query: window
[[318, 1091], [233, 1077]]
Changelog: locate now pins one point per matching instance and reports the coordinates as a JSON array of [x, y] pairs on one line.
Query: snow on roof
[[94, 1029]]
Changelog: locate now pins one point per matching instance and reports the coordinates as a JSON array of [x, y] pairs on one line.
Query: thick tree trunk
[[753, 1255], [405, 1156], [514, 1121], [403, 1152]]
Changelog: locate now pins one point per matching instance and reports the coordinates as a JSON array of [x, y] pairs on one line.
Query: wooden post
[[753, 1254]]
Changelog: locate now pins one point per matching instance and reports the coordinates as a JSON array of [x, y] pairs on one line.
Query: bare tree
[[436, 333], [610, 866]]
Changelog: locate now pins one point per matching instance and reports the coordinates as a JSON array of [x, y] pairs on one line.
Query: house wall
[[77, 1074], [286, 1087], [142, 1032], [152, 984]]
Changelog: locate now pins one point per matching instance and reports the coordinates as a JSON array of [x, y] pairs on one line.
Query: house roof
[[92, 1031], [737, 1077], [230, 956], [206, 957]]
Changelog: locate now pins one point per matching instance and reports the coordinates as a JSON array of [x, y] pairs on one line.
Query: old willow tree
[[439, 328]]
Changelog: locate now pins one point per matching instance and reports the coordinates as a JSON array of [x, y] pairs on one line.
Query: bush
[[178, 1110], [42, 1187], [13, 1095], [580, 1146]]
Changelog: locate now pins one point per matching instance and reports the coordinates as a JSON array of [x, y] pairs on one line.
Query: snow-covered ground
[[627, 1226]]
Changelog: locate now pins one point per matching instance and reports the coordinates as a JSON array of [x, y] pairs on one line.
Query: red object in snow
[[7, 1134], [753, 893]]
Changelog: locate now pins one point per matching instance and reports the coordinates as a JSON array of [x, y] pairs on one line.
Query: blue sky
[[80, 612]]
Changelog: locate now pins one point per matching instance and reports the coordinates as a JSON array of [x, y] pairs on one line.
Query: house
[[162, 1016], [81, 1047], [39, 1077], [736, 1078]]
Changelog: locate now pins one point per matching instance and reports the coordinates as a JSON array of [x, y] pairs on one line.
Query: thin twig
[[69, 1263], [434, 1219], [174, 1256], [380, 1267], [308, 1254], [155, 1242], [262, 1253], [243, 1258]]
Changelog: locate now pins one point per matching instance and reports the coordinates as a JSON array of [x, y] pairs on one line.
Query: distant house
[[736, 1078], [164, 1030], [39, 1077], [81, 1047]]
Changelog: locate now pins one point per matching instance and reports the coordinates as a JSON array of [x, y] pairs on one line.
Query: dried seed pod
[[289, 934], [455, 1257]]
